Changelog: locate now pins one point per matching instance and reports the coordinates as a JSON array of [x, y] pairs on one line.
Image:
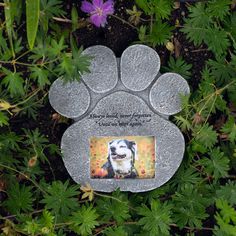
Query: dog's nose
[[113, 149]]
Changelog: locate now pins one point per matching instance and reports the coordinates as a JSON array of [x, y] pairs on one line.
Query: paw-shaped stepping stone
[[121, 137]]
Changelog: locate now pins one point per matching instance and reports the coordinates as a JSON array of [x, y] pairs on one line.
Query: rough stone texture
[[70, 99], [164, 94], [169, 144], [140, 64], [103, 68], [138, 91]]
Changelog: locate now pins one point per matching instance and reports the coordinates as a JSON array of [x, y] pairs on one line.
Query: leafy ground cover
[[42, 40]]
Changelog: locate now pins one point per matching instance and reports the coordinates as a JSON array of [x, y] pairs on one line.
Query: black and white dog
[[121, 157]]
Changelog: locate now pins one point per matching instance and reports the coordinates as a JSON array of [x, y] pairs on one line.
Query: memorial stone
[[121, 136]]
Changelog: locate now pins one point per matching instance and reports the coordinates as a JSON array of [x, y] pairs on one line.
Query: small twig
[[200, 50], [27, 177], [114, 198], [107, 196], [231, 177], [64, 20], [124, 21], [113, 223], [13, 216], [193, 229]]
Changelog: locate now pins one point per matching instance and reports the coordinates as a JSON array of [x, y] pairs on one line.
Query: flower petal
[[97, 3], [98, 20], [87, 7], [108, 7]]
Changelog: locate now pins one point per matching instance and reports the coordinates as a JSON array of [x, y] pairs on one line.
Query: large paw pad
[[121, 137]]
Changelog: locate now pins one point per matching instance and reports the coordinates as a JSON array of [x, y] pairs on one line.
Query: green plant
[[226, 219], [155, 220], [204, 24], [61, 199], [36, 197], [158, 32], [179, 66]]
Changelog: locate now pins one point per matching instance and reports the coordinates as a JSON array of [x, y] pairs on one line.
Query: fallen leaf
[[88, 192], [170, 46]]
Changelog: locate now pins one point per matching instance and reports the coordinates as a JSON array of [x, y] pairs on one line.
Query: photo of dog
[[122, 157]]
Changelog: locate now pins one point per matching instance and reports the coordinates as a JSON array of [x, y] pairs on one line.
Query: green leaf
[[9, 23], [20, 198], [217, 165], [179, 66], [61, 198], [185, 176], [227, 192], [31, 227], [196, 24], [183, 123], [143, 4], [47, 219], [115, 231], [32, 20], [205, 135], [217, 41], [229, 26], [84, 220], [73, 65], [198, 16], [56, 47], [200, 27], [219, 8], [3, 119], [40, 75], [74, 18], [31, 107], [189, 207], [36, 141], [230, 128], [49, 9], [221, 70], [225, 218], [155, 220], [16, 10], [160, 34], [14, 82], [162, 8], [10, 140], [195, 34], [114, 209]]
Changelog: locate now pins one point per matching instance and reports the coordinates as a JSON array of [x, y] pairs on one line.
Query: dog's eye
[[122, 146]]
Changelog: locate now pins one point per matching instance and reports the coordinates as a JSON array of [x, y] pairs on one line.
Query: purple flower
[[98, 11]]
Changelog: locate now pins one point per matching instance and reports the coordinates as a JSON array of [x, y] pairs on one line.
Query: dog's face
[[122, 150]]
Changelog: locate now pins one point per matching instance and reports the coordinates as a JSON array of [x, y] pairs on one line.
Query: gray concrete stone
[[165, 93], [140, 65], [104, 73], [169, 143], [71, 99], [137, 91]]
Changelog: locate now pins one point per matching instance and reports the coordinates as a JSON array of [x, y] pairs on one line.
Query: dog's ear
[[108, 146], [108, 149], [134, 149]]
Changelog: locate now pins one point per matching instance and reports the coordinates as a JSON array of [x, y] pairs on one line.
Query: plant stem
[[27, 177], [124, 21]]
